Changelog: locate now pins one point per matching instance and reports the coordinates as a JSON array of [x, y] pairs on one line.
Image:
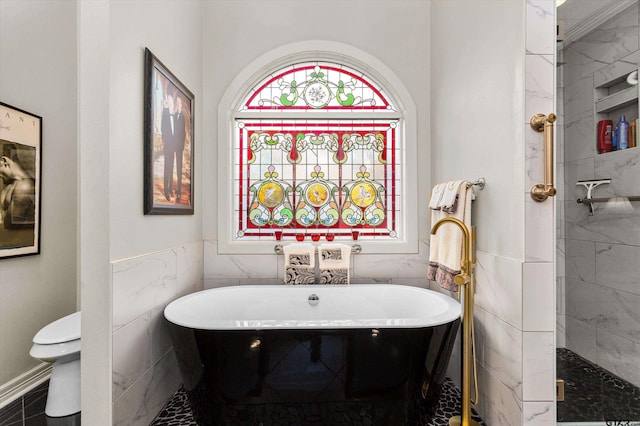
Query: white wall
[[93, 154], [237, 32], [488, 76], [172, 30], [396, 34], [111, 90], [477, 112], [38, 74]]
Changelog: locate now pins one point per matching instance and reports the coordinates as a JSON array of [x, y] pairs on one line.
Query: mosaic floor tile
[[177, 413], [593, 394]]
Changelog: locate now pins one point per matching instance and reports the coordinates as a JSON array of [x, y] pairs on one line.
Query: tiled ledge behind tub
[[223, 270], [145, 373]]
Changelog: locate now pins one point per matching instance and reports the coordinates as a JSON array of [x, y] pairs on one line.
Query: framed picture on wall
[[168, 141], [20, 164]]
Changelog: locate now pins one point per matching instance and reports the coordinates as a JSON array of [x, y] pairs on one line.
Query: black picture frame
[[20, 181], [168, 187]]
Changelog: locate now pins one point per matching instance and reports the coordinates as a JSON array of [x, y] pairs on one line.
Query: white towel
[[293, 253], [436, 196], [445, 251], [448, 201], [329, 258], [334, 262], [299, 263]]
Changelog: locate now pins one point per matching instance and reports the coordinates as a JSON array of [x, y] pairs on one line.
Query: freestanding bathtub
[[277, 344]]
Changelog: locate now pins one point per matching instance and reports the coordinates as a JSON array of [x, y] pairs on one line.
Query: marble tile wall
[[536, 333], [560, 186], [238, 269], [145, 373], [612, 41], [601, 288]]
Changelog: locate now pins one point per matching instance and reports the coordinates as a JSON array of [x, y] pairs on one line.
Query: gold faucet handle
[[462, 279]]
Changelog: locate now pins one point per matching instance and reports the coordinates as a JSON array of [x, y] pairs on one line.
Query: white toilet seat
[[50, 353], [63, 330]]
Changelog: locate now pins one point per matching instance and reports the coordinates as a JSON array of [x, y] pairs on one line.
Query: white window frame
[[328, 51]]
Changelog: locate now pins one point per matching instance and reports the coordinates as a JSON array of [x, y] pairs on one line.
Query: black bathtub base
[[260, 374]]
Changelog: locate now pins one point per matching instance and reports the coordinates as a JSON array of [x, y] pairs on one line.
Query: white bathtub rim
[[180, 313]]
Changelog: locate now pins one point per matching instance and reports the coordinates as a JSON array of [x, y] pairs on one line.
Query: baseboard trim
[[22, 384]]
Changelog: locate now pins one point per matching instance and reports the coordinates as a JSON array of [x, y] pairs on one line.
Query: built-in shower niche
[[616, 94]]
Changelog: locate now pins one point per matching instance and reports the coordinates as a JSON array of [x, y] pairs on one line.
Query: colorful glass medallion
[[363, 194], [270, 194], [317, 194], [317, 95]]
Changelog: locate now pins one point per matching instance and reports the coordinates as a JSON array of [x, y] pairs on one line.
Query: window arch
[[318, 154]]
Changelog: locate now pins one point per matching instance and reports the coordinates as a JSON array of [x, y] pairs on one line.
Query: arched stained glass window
[[314, 86], [317, 156]]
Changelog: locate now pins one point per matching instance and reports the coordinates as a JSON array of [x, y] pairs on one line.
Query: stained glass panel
[[316, 86], [317, 177]]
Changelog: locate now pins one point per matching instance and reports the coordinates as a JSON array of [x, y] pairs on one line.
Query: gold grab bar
[[466, 281], [544, 123]]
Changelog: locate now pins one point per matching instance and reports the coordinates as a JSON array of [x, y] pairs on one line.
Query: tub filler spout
[[465, 280]]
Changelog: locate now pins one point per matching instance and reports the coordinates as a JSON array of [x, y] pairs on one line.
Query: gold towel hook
[[544, 123]]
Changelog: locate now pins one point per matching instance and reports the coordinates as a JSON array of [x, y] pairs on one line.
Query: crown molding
[[596, 19]]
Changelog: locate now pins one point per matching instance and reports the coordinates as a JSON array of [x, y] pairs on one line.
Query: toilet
[[59, 343]]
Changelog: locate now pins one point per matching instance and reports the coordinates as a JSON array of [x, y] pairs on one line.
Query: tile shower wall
[[560, 186], [601, 284], [145, 374]]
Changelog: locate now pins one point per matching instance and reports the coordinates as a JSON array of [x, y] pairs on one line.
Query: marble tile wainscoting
[[145, 372], [224, 270], [599, 305]]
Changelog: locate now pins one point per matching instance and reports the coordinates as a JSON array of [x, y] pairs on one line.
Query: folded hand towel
[[334, 261], [445, 251], [449, 200], [436, 196], [299, 263]]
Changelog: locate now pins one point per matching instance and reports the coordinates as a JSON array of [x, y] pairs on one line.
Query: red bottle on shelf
[[605, 129]]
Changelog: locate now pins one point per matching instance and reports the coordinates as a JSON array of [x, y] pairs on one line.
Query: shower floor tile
[[177, 412], [592, 394]]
